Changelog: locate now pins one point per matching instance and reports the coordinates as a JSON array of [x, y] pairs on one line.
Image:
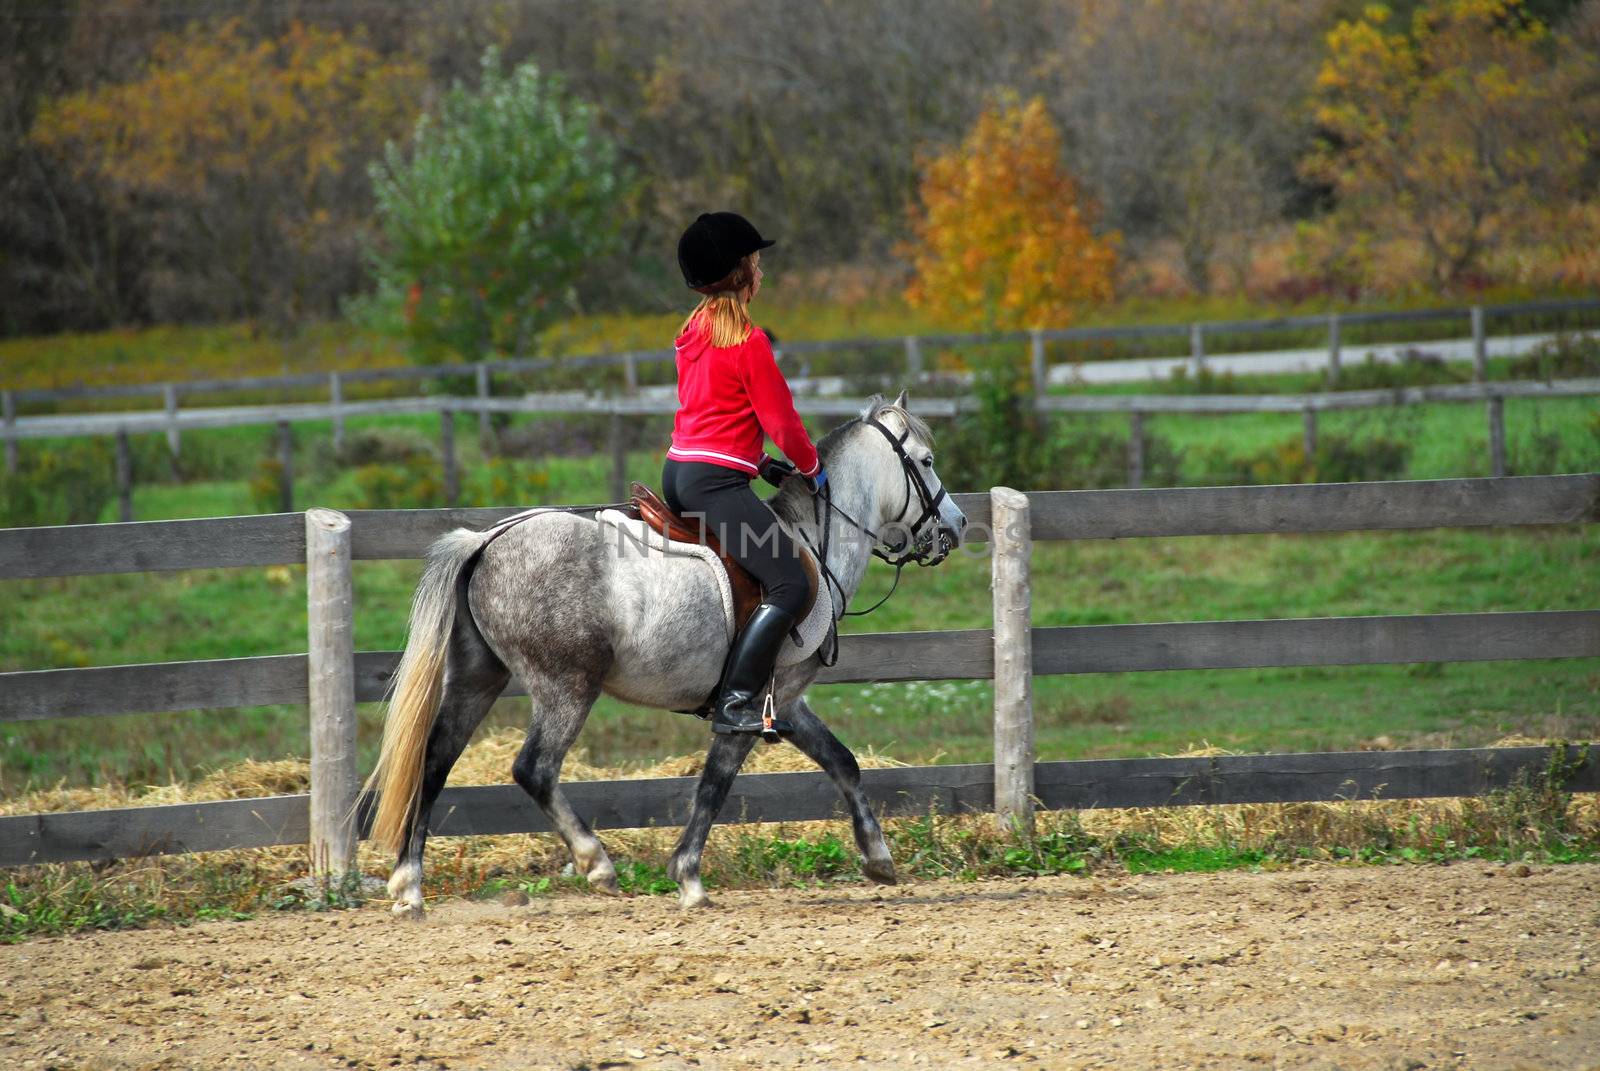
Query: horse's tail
[[417, 687]]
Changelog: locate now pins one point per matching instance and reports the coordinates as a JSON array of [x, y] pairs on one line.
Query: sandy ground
[[1469, 965]]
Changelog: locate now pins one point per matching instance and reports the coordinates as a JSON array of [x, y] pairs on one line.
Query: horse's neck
[[849, 549]]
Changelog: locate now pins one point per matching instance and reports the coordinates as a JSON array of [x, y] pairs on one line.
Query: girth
[[746, 588]]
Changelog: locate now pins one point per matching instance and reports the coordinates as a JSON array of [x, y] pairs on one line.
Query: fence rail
[[1135, 406], [1010, 655]]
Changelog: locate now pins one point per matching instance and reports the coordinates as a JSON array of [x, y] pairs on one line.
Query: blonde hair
[[724, 309]]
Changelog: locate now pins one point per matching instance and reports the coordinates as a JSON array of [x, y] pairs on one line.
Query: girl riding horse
[[731, 397]]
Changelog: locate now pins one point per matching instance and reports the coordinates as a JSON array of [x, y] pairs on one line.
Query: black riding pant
[[744, 525]]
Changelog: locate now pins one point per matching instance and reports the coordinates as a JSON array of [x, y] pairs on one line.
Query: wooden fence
[[171, 419], [617, 409], [333, 677]]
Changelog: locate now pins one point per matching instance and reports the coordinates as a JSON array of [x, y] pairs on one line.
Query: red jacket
[[727, 397]]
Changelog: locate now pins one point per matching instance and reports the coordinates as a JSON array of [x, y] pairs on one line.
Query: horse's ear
[[874, 402], [904, 401]]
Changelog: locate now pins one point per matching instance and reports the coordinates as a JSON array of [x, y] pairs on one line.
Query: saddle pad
[[812, 630], [636, 532]]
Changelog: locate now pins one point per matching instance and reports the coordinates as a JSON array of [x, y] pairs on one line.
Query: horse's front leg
[[819, 744], [723, 760]]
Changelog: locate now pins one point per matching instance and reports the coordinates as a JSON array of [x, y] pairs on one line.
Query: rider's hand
[[817, 483], [775, 470]]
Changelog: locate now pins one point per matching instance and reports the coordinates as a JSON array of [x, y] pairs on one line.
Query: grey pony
[[552, 601]]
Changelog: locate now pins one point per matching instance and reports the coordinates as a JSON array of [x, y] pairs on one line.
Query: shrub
[[418, 483], [266, 485], [58, 485], [1005, 441], [1567, 356], [1179, 381], [1417, 368], [379, 446], [1339, 459]]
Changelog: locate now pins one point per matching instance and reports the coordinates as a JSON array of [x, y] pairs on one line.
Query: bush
[[1005, 441], [1339, 459], [58, 485], [1204, 382], [580, 435], [1417, 368], [1574, 356], [418, 483]]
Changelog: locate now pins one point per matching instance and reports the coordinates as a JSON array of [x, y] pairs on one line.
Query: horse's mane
[[793, 501]]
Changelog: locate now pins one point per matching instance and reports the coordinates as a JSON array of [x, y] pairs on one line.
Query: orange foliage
[[1005, 238]]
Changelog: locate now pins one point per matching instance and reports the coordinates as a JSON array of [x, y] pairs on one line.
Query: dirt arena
[[1480, 966]]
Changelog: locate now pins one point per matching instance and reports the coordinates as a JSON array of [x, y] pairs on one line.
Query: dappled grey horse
[[551, 600]]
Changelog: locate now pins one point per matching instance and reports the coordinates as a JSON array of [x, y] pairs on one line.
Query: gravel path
[[1469, 965]]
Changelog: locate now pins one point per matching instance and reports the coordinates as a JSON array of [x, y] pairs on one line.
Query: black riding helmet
[[713, 246]]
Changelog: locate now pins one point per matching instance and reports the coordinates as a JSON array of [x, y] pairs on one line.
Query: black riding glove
[[775, 470]]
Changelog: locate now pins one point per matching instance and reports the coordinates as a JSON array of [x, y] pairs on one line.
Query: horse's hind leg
[[727, 754], [473, 680], [560, 706], [819, 744]]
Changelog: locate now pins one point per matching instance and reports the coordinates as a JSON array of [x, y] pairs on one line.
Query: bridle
[[925, 553]]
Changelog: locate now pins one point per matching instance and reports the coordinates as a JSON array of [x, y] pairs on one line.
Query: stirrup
[[769, 720]]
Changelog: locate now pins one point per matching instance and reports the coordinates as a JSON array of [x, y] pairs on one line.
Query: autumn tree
[[1454, 131], [243, 150], [1004, 236]]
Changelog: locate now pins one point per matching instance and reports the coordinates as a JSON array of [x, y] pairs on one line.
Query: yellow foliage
[[215, 106], [1457, 130], [1004, 237]]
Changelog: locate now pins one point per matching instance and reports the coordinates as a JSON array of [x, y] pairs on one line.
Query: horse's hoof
[[605, 882], [880, 871], [692, 894], [405, 909]]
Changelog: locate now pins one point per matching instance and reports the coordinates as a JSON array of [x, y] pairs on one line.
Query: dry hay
[[1319, 826]]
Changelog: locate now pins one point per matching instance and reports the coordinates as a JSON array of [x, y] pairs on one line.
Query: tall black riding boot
[[749, 667]]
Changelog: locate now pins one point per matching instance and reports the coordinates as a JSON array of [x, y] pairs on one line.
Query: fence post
[[1197, 346], [330, 627], [169, 400], [1135, 449], [285, 467], [336, 399], [485, 432], [8, 414], [1497, 435], [630, 374], [1013, 660], [619, 457], [913, 356], [124, 477], [1480, 346], [1310, 440], [1041, 371], [447, 454], [1333, 347]]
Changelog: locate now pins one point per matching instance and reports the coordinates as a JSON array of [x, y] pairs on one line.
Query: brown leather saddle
[[746, 588]]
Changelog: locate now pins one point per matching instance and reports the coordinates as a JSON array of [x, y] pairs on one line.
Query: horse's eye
[[928, 461]]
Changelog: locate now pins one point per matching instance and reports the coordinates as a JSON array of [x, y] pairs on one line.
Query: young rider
[[731, 397]]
